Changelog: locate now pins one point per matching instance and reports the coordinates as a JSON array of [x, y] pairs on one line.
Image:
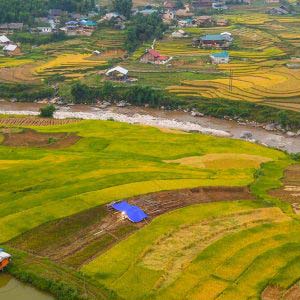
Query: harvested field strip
[[93, 231], [35, 121], [189, 241], [263, 267], [290, 192], [207, 268], [223, 161]]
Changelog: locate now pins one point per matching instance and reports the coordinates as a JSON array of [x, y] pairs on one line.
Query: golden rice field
[[70, 65], [7, 62], [273, 85]]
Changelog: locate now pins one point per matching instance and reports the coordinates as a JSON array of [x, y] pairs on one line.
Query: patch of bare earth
[[102, 231], [272, 293], [31, 138], [278, 293], [290, 192]]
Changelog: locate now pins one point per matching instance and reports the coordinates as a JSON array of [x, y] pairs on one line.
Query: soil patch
[[31, 138], [290, 192], [278, 293], [78, 239]]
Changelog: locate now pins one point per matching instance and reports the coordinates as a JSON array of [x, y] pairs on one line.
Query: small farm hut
[[131, 212], [4, 259], [117, 73], [220, 58]]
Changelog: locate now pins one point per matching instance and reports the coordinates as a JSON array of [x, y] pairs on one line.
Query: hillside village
[[149, 149], [205, 48]]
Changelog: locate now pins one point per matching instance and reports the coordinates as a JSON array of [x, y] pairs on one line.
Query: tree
[[144, 28], [179, 4], [47, 111], [123, 7], [283, 119]]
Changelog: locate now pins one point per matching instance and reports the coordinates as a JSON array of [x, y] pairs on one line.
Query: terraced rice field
[[279, 85], [70, 65], [207, 236]]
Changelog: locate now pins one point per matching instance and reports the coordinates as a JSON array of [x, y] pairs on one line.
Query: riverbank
[[177, 120], [12, 289]]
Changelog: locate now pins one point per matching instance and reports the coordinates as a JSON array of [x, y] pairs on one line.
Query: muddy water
[[169, 119], [12, 289]]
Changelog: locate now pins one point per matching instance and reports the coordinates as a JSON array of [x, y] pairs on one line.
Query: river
[[166, 119], [12, 289]]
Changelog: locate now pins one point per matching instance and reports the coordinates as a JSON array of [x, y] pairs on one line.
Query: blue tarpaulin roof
[[223, 54], [134, 213]]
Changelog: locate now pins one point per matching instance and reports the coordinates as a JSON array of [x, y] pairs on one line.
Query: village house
[[11, 50], [184, 12], [44, 30], [169, 5], [279, 11], [188, 22], [113, 16], [179, 34], [4, 40], [154, 57], [148, 11], [168, 16], [11, 27], [219, 5], [204, 21], [198, 4], [220, 58], [214, 41], [222, 22], [117, 73]]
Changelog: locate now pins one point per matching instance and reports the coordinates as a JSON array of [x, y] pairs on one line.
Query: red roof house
[[154, 57]]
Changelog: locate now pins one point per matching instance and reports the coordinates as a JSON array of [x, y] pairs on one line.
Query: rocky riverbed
[[266, 134]]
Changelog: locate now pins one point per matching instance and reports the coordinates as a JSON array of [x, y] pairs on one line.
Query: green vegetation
[[111, 161], [123, 7], [25, 11], [47, 111], [142, 29], [65, 191]]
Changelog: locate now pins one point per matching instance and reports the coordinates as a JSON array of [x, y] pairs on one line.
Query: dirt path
[[290, 192], [92, 232]]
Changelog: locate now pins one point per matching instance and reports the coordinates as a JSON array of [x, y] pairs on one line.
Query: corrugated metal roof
[[133, 213], [118, 69]]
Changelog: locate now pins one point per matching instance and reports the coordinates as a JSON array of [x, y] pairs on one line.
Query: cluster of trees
[[137, 95], [123, 7], [26, 11], [144, 28], [39, 39], [25, 92], [140, 95]]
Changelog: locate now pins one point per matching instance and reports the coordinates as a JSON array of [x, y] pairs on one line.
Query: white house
[[11, 49], [4, 40], [220, 58], [44, 30], [179, 34], [118, 73]]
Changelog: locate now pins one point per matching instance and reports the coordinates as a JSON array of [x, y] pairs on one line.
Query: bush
[[47, 111]]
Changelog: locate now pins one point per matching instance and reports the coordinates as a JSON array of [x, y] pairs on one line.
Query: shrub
[[47, 111]]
